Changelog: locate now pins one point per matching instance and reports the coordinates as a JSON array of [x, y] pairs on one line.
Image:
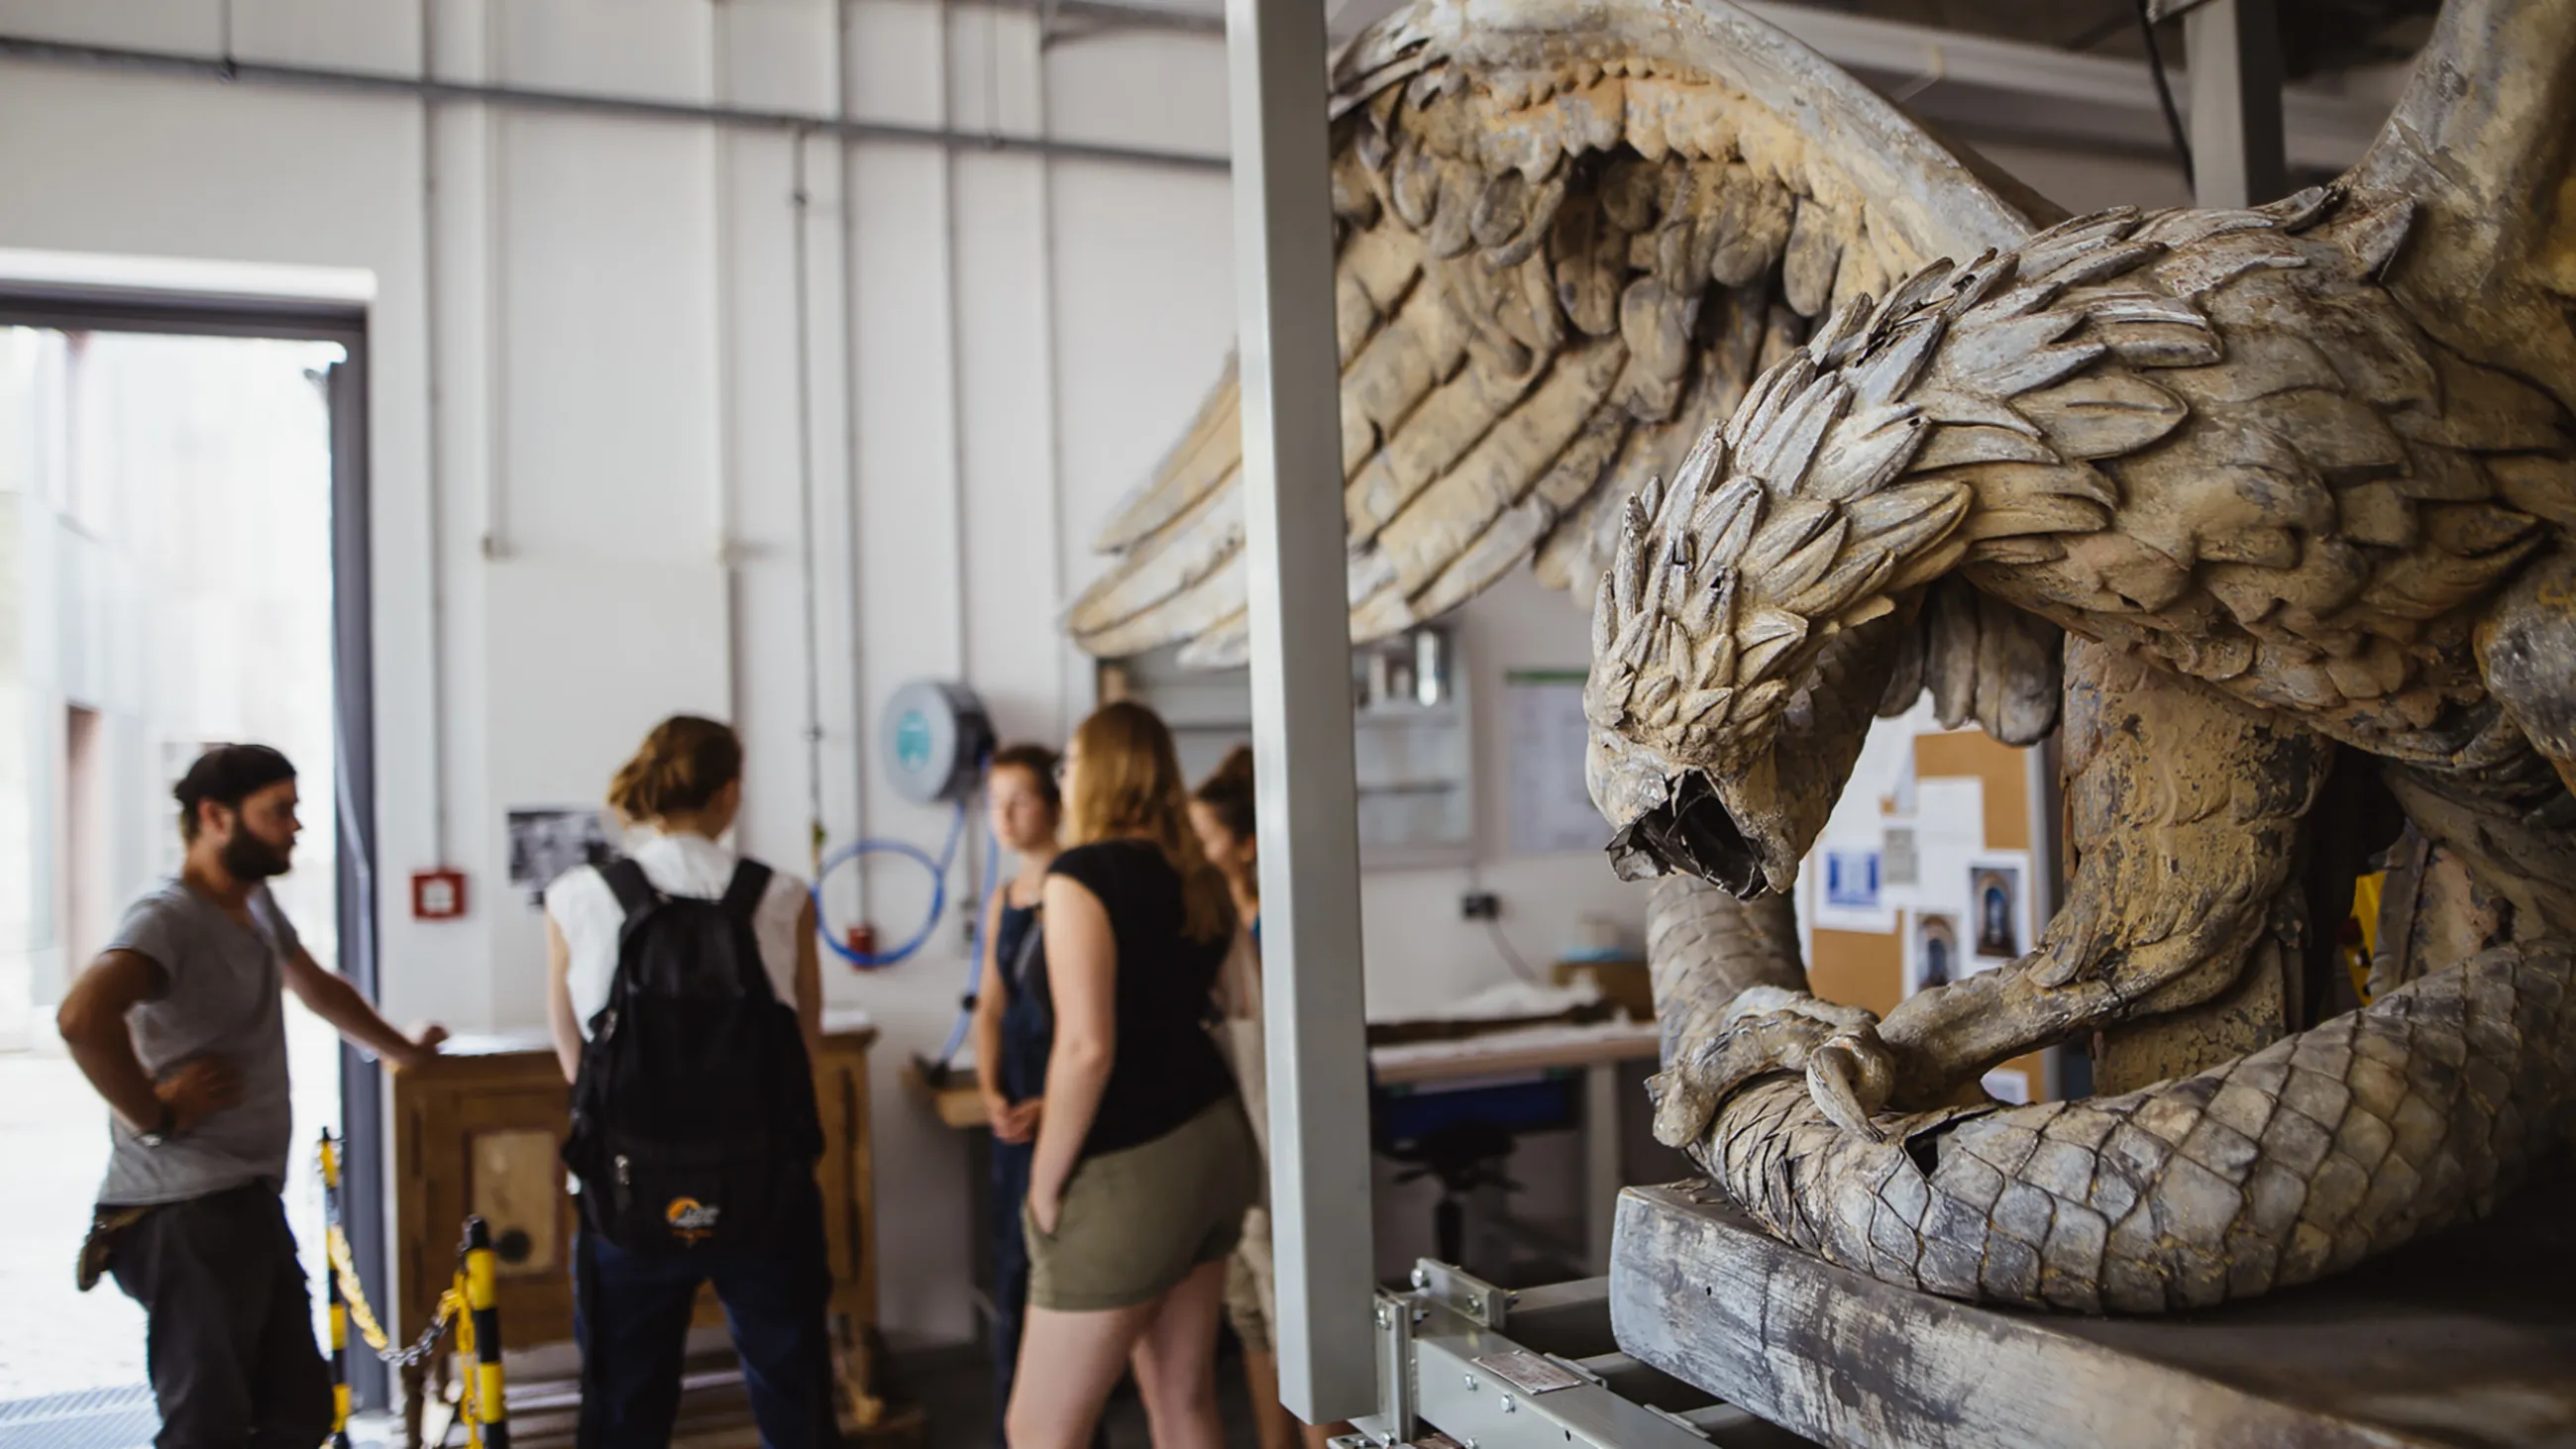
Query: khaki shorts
[[1248, 1292], [1137, 1221]]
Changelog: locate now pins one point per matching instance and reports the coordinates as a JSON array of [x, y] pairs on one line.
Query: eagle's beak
[[1686, 821]]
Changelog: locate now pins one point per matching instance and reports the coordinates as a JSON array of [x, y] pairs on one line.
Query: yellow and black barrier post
[[339, 1303], [490, 1418]]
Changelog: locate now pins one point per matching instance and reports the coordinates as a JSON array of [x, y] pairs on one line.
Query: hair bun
[[680, 767], [1235, 768]]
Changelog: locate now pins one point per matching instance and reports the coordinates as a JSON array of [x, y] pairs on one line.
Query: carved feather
[[1645, 190]]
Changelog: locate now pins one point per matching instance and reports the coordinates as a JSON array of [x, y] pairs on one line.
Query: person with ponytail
[[682, 791], [1144, 1163]]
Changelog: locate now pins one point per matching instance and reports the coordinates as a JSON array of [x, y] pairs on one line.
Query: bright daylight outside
[[165, 583]]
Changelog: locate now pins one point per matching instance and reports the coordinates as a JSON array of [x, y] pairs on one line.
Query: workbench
[[1496, 1060], [1450, 1064]]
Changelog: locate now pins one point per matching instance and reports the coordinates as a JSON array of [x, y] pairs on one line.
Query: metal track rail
[[1462, 1362]]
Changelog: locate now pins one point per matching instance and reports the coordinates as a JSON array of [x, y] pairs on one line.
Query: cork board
[[1945, 813]]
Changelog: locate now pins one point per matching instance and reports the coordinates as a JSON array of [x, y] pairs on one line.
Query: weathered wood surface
[[2296, 533], [2468, 1339], [1568, 235]]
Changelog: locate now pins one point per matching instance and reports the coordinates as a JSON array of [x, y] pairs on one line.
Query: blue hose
[[875, 960]]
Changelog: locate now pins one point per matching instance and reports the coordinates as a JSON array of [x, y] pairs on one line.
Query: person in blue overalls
[[1014, 1026]]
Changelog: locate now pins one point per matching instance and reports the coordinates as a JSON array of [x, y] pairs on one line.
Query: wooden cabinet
[[478, 1133]]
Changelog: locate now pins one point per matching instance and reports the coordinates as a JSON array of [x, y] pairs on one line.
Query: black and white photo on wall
[[544, 843], [1994, 894], [1936, 951]]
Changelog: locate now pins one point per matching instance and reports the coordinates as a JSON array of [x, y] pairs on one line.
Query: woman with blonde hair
[[1144, 1163], [633, 1297]]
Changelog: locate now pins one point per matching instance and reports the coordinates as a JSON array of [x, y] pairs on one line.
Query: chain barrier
[[468, 1307]]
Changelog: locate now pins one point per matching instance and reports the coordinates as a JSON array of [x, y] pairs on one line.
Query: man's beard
[[246, 857]]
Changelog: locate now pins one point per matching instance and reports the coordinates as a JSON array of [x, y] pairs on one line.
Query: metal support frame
[[1301, 708], [1534, 1369], [2238, 151]]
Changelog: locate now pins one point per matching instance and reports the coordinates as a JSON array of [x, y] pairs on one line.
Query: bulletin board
[[1544, 738], [1932, 868]]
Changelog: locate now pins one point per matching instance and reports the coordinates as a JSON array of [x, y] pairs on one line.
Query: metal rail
[[1297, 597], [1490, 1368], [231, 71]]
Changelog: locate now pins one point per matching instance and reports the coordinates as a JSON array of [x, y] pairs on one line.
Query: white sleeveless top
[[585, 909]]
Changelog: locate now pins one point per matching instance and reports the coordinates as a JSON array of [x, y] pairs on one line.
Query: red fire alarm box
[[437, 895]]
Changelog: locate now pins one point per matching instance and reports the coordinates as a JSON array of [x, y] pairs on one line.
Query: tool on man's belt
[[97, 1250]]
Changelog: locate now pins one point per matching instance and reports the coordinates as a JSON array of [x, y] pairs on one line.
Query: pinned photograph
[[1851, 879], [1936, 952], [546, 843], [1995, 891], [1902, 867]]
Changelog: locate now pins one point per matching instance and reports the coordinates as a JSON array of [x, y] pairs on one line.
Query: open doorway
[[168, 540]]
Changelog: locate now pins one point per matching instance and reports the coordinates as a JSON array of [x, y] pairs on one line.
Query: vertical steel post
[[1301, 707], [339, 1309], [491, 1428], [2233, 49]]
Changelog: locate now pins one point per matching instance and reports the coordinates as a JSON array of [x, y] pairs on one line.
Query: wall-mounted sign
[[437, 895]]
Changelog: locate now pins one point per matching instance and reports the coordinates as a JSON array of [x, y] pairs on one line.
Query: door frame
[[90, 308]]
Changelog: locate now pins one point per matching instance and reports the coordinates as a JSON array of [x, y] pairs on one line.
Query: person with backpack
[[1014, 1026], [686, 1002], [1144, 1163]]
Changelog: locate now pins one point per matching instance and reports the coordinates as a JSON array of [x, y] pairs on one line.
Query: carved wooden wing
[[1569, 234]]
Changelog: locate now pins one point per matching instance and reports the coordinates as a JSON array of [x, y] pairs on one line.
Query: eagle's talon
[[1850, 1078], [1767, 1032]]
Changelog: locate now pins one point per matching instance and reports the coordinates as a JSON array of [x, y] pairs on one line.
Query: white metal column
[[1301, 709], [2233, 49]]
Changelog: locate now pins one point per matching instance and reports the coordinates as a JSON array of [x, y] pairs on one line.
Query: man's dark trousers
[[229, 1323]]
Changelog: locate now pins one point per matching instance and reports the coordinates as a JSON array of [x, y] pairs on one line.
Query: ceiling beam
[[2051, 95]]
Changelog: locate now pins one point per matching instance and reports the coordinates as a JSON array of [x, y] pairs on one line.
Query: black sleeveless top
[[1028, 1020], [1167, 1068]]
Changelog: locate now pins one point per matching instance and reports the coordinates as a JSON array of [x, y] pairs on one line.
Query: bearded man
[[180, 1024]]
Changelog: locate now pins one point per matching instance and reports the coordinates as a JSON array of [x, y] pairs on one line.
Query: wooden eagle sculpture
[[2274, 508]]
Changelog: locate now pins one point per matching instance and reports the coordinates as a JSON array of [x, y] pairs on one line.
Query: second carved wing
[[1569, 235]]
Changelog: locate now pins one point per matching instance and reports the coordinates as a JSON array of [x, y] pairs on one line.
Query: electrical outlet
[[1480, 906]]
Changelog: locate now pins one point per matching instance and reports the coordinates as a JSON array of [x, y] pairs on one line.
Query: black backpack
[[693, 1115]]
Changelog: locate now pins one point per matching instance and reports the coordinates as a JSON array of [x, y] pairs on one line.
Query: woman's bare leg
[[1270, 1418], [1175, 1363], [1069, 1362]]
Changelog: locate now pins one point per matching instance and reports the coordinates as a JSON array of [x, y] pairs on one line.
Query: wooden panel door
[[482, 1137]]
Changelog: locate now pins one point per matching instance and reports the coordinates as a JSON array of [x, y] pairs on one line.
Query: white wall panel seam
[[431, 456], [844, 156], [496, 516]]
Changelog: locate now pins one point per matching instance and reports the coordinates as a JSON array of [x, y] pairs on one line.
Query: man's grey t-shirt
[[221, 998]]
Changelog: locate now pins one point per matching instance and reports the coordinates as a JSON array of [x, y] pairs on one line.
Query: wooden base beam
[[2465, 1340]]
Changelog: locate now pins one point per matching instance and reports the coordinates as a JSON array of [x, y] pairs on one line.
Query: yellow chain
[[346, 1266], [450, 1308]]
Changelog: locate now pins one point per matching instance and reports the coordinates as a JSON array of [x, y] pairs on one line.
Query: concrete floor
[[56, 1340], [955, 1389]]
